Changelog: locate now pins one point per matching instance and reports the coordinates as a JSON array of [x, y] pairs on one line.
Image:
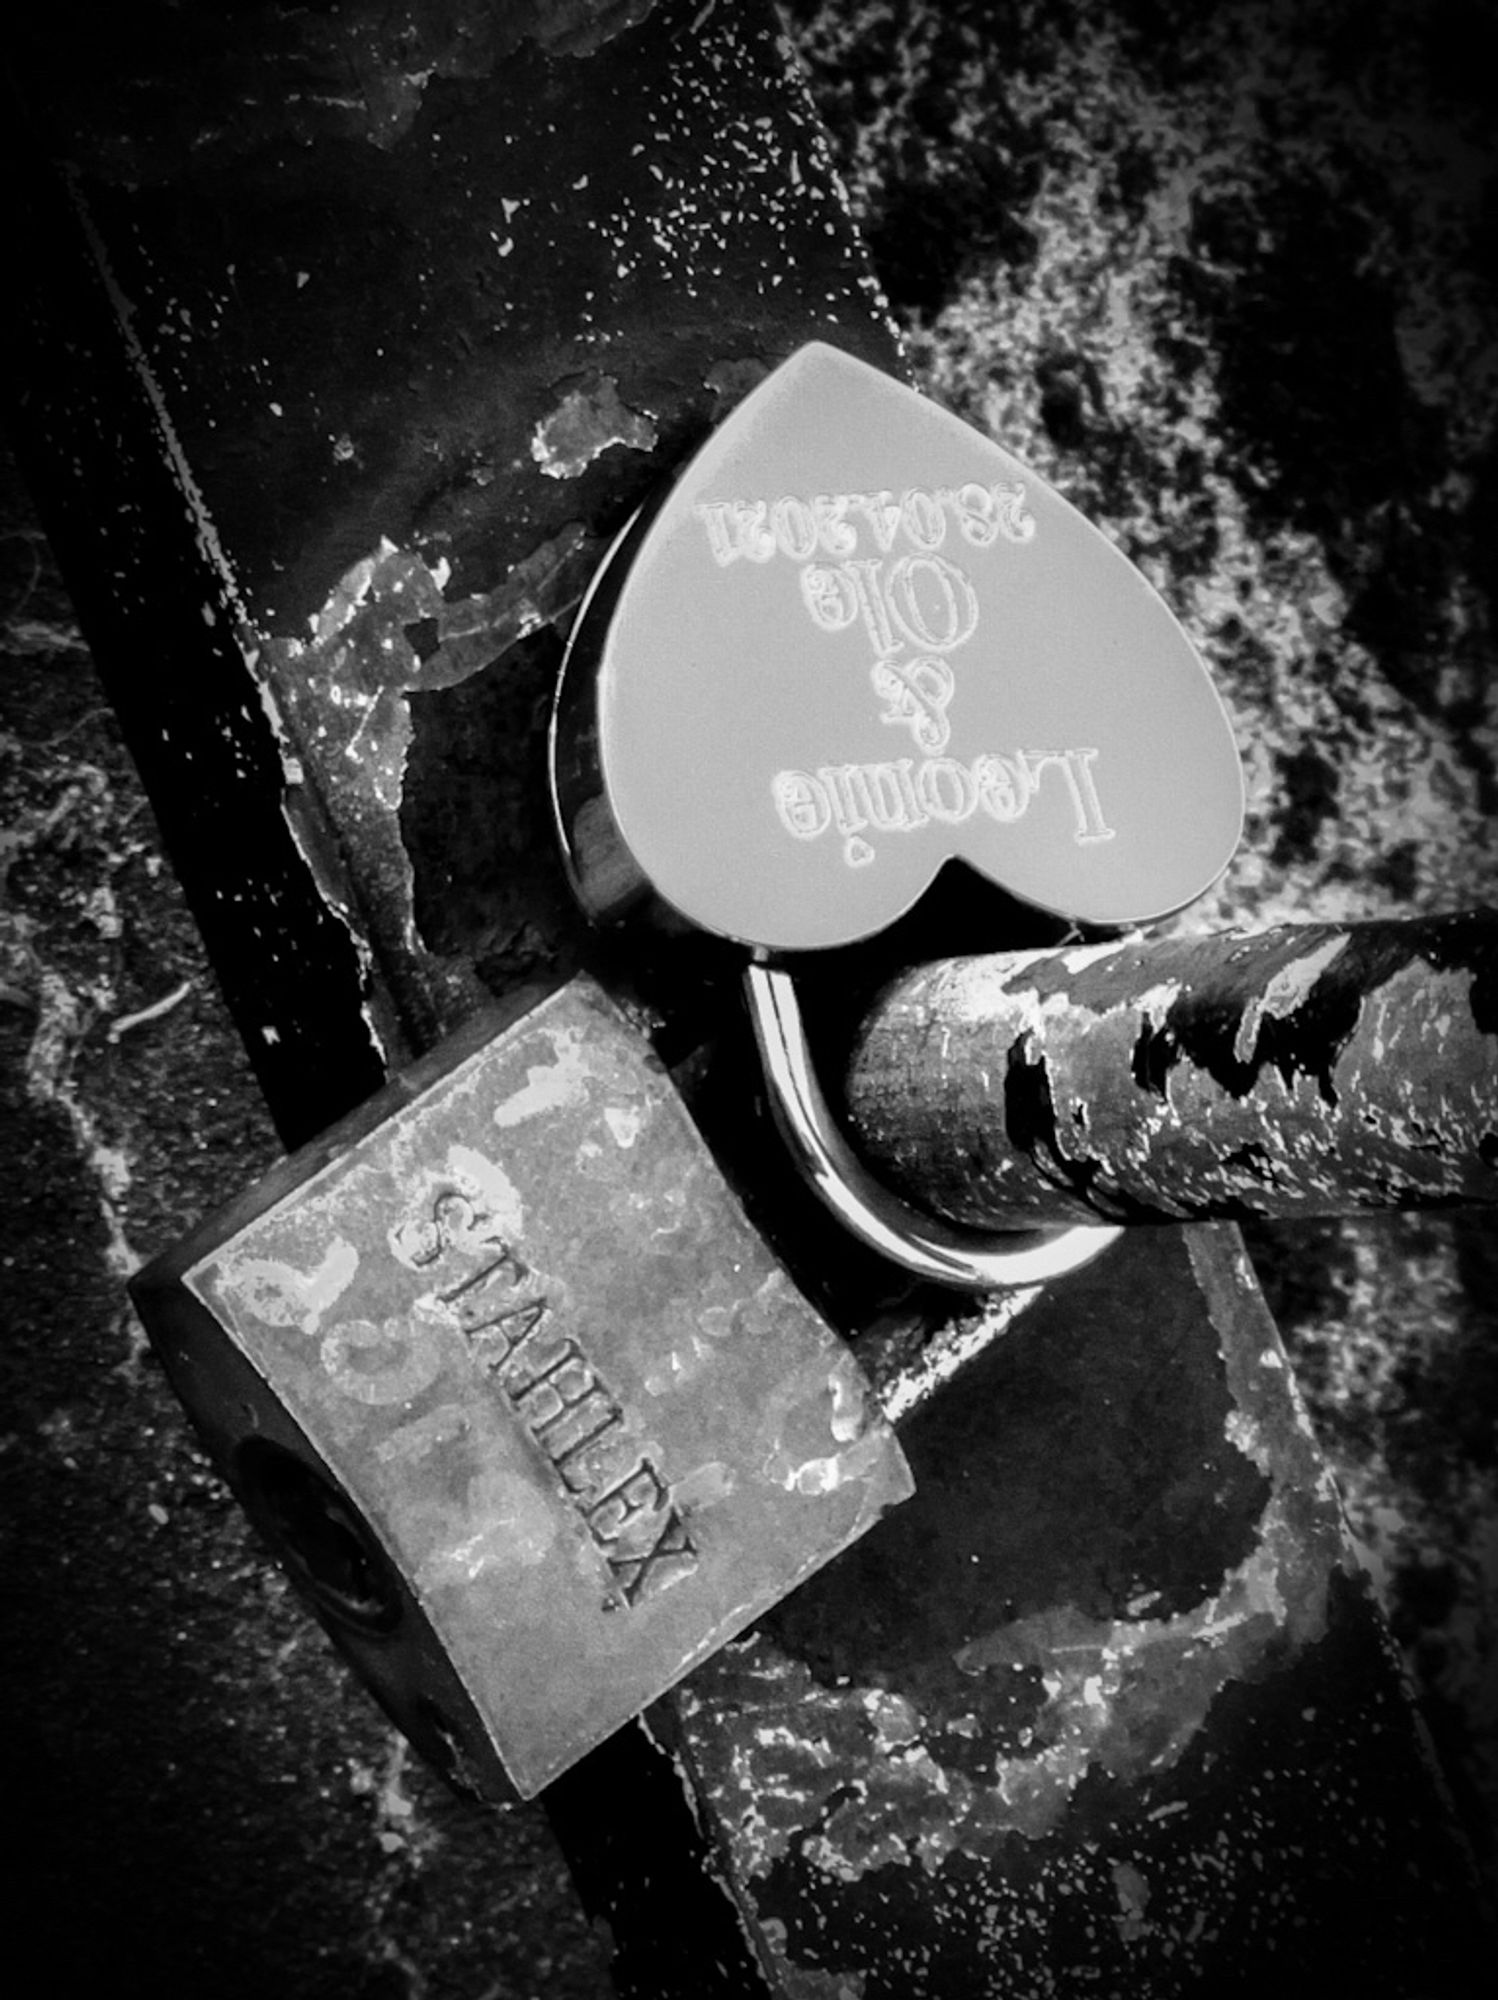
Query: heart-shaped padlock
[[855, 641]]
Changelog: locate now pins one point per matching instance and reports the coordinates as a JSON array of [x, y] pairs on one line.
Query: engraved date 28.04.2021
[[875, 561]]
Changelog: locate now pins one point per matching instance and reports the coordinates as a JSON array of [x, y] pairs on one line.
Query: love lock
[[530, 1413], [526, 1407], [842, 565]]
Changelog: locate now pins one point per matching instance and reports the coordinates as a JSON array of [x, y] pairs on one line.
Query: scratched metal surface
[[1308, 486], [530, 1334]]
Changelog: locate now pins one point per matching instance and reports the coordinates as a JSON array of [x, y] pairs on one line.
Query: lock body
[[856, 642], [528, 1409]]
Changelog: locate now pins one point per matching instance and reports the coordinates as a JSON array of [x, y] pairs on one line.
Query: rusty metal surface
[[369, 393], [1315, 1069], [1113, 1680], [525, 1330]]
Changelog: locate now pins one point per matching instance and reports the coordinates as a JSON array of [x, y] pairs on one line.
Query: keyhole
[[327, 1545]]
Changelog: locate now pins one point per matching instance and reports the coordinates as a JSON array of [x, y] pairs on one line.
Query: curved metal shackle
[[976, 1260]]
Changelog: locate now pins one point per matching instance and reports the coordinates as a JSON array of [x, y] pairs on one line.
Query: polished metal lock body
[[856, 641], [530, 1411], [853, 643]]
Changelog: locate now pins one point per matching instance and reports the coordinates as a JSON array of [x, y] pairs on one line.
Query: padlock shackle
[[945, 1252]]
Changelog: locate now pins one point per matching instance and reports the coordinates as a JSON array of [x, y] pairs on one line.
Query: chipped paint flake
[[492, 1187], [1102, 1710], [346, 689], [586, 424], [624, 1122], [1284, 993], [283, 1295], [563, 1080], [1124, 1698]]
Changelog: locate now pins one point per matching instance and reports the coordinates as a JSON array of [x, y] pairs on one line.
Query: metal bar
[[1104, 1708], [151, 583], [1311, 1070]]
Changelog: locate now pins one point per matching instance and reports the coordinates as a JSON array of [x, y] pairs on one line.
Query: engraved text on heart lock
[[858, 640]]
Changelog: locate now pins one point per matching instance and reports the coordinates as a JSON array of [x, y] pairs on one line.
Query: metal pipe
[[1311, 1070]]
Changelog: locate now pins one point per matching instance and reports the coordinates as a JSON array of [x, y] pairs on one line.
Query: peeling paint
[[849, 1785], [808, 1983], [385, 632], [1287, 989], [564, 1080], [1105, 1685], [285, 1296], [586, 424], [1304, 1071], [495, 1192]]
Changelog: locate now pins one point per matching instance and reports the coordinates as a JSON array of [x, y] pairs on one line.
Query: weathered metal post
[[1311, 1070], [340, 361]]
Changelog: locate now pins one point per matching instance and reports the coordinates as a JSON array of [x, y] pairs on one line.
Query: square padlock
[[527, 1408]]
